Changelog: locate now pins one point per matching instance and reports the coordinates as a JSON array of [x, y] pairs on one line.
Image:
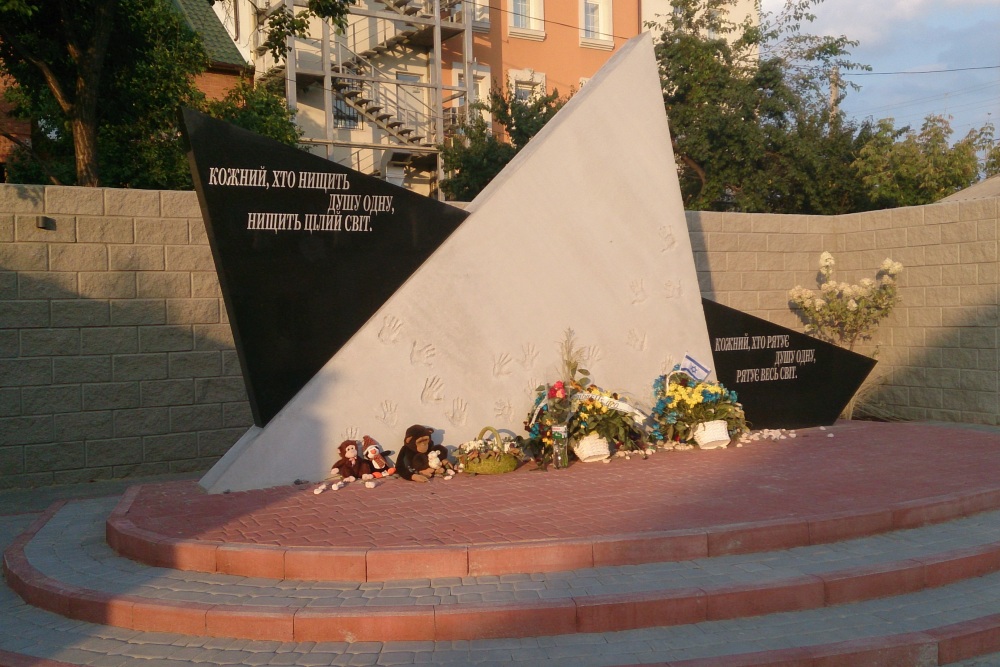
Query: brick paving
[[860, 470], [808, 476]]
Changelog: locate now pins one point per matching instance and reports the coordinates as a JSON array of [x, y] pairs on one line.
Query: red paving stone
[[925, 472]]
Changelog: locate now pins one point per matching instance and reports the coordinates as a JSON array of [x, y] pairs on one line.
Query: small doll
[[379, 464], [351, 466]]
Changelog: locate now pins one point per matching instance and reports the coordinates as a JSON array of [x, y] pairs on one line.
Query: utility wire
[[929, 71]]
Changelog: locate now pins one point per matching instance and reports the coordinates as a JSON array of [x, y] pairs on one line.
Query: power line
[[929, 71]]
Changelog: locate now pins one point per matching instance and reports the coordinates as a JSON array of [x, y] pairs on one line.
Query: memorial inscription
[[784, 379], [307, 250]]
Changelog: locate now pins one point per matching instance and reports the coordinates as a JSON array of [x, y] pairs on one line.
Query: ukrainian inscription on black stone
[[306, 250], [784, 379]]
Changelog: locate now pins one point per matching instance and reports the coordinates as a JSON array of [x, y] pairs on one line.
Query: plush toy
[[351, 466], [438, 466], [377, 459], [412, 463]]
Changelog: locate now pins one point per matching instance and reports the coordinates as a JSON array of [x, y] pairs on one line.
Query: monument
[[784, 379], [584, 229]]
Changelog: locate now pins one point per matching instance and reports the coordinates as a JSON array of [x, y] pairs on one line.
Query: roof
[[984, 189], [200, 16]]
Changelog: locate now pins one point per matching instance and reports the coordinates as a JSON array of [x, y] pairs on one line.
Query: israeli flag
[[692, 367]]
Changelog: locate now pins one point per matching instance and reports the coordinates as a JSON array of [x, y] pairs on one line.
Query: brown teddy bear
[[412, 463]]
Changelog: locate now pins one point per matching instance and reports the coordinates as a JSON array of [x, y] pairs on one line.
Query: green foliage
[[147, 72], [907, 168], [283, 23], [521, 119], [842, 313], [259, 110], [474, 157], [474, 164], [750, 130], [754, 128]]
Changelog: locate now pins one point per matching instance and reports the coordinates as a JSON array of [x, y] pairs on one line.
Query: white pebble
[[370, 485], [829, 435]]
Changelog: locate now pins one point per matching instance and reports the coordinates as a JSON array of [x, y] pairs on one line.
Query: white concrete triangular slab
[[584, 229]]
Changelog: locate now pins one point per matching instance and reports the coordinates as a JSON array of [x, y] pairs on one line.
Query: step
[[918, 585], [778, 497], [948, 625], [65, 566]]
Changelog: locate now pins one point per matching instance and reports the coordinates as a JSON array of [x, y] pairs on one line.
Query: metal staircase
[[402, 121]]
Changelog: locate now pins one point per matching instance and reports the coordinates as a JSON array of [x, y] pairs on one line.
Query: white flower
[[819, 303], [798, 293], [852, 305], [826, 261]]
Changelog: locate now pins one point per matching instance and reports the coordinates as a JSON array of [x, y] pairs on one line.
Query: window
[[595, 24], [521, 17], [526, 83], [526, 19], [480, 13], [480, 92], [346, 117], [591, 19], [523, 90]]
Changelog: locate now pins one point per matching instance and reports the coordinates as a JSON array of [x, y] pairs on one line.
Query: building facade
[[385, 93]]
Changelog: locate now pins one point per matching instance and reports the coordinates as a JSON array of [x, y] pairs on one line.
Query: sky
[[912, 36]]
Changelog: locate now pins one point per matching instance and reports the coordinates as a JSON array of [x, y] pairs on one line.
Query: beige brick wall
[[938, 351], [116, 357]]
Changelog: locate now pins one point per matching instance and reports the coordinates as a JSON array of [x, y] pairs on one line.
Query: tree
[[285, 23], [62, 45], [755, 128], [902, 167], [749, 126], [477, 155], [102, 81]]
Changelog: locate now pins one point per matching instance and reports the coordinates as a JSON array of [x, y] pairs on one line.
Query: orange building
[[383, 95], [535, 46]]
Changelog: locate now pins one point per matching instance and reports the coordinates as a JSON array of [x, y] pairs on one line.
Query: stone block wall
[[116, 358], [938, 351]]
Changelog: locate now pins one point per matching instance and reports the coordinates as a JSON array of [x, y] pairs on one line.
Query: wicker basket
[[490, 464], [711, 435], [591, 448]]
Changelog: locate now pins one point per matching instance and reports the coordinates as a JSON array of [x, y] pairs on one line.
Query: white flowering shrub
[[841, 313]]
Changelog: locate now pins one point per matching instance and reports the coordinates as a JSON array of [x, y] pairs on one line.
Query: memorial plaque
[[784, 379], [306, 250]]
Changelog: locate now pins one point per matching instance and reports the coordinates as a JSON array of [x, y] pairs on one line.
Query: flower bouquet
[[551, 410], [548, 421], [482, 456], [684, 403], [597, 413]]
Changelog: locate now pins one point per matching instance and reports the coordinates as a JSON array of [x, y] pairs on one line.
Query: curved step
[[673, 506], [59, 564]]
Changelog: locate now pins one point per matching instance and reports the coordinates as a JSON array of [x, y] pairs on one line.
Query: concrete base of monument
[[768, 530]]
